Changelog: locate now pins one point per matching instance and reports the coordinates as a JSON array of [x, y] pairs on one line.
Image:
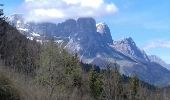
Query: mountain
[[156, 59], [90, 44], [93, 44], [128, 47]]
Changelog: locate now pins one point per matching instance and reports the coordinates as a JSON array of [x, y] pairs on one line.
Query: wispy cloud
[[59, 9], [158, 44]]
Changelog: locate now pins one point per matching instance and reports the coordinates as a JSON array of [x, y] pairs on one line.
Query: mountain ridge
[[93, 44], [156, 59]]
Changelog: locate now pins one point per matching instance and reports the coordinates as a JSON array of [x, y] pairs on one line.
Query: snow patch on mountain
[[22, 29], [35, 34], [101, 28]]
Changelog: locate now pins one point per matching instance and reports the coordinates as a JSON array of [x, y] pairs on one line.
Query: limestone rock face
[[105, 33], [94, 44]]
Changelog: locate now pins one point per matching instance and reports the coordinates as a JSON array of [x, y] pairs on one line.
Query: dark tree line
[[16, 50]]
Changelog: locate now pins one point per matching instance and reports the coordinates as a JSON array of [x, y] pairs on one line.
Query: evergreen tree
[[1, 12], [134, 88], [2, 20], [95, 83]]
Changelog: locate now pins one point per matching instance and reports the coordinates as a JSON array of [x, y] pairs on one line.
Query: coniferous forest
[[33, 71]]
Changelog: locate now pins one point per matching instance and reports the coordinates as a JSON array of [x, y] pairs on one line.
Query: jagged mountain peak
[[102, 28], [127, 44], [128, 40], [17, 20], [128, 47], [16, 16], [104, 31]]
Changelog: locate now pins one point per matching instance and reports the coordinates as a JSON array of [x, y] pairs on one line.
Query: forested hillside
[[33, 71]]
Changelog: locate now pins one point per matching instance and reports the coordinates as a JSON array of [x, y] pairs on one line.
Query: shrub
[[7, 90]]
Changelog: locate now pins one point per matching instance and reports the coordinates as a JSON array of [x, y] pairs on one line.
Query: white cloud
[[157, 44], [48, 13], [39, 10]]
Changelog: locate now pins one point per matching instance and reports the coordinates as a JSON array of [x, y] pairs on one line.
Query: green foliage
[[58, 68], [95, 83], [51, 71], [73, 70], [134, 88]]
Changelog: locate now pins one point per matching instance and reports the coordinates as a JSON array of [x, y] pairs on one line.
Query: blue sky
[[146, 21]]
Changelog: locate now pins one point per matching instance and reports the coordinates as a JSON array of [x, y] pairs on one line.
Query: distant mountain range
[[154, 58], [94, 44]]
